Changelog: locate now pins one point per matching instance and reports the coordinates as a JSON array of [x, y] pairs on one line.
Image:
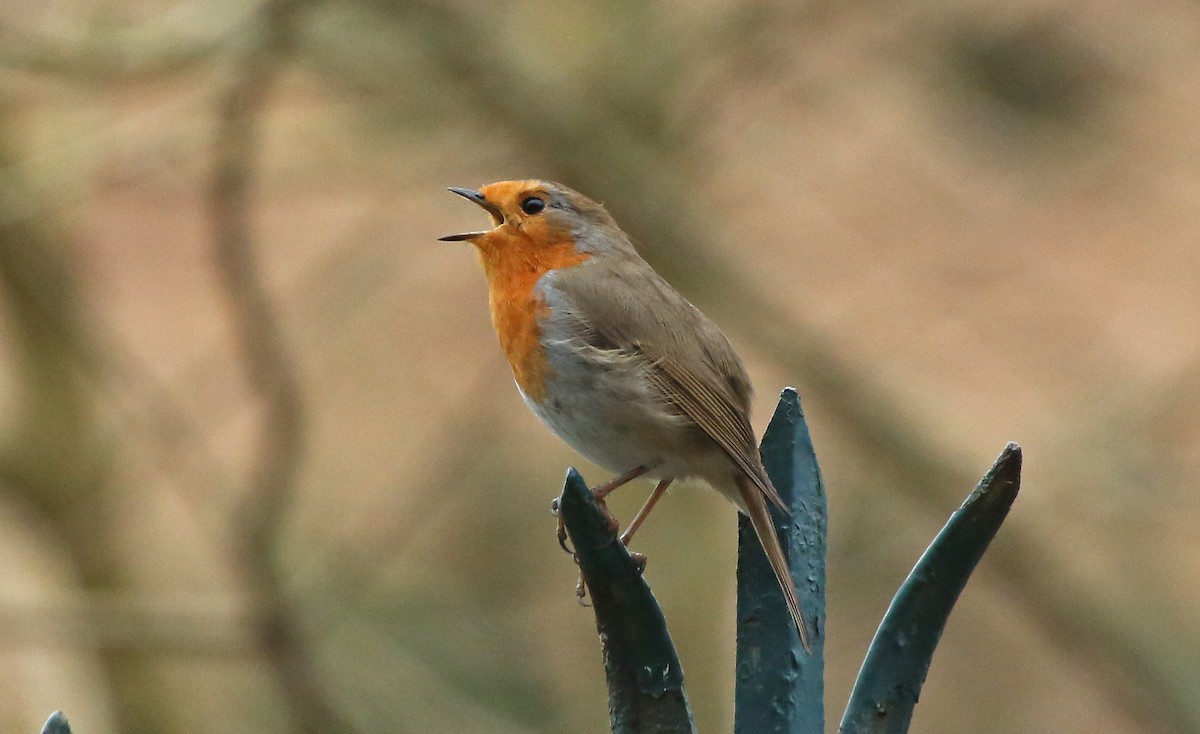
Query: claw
[[560, 531], [581, 593], [613, 525], [639, 560], [561, 534]]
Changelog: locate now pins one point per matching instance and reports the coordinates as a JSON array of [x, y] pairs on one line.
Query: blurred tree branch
[[270, 369], [210, 626], [101, 55], [56, 462]]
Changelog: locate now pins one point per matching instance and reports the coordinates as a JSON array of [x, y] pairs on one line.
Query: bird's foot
[[560, 532], [581, 592], [613, 525]]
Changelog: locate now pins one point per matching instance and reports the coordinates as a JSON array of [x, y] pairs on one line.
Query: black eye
[[532, 205]]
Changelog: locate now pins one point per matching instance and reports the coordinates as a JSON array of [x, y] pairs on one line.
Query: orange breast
[[513, 265]]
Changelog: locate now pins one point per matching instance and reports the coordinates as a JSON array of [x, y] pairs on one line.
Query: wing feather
[[630, 309], [718, 418]]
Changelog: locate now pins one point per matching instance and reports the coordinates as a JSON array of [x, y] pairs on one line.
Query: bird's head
[[531, 215]]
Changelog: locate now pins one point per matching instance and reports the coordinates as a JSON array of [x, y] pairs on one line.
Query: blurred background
[[262, 465]]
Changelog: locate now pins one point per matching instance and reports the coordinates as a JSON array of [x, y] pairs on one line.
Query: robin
[[614, 360]]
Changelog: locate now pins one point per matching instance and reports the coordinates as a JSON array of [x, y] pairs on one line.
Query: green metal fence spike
[[56, 724], [894, 670], [645, 680], [779, 688]]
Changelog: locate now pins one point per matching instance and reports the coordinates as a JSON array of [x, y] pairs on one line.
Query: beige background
[[949, 225]]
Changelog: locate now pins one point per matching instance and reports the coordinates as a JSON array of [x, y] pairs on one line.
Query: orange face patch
[[513, 260]]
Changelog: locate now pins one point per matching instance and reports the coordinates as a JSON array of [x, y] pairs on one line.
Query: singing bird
[[614, 360]]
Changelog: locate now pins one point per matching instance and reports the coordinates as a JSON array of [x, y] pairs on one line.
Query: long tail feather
[[760, 517]]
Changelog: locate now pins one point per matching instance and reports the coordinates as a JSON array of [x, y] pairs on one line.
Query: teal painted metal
[[645, 680], [779, 688], [894, 670], [56, 724]]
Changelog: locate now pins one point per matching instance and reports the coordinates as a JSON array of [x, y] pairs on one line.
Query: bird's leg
[[604, 490], [600, 491], [641, 515]]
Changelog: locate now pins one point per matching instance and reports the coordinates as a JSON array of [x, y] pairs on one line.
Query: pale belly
[[612, 416]]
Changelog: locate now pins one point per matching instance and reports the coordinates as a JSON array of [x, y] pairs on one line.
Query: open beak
[[478, 198]]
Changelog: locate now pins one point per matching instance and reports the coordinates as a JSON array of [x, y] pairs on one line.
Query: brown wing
[[629, 307], [717, 417]]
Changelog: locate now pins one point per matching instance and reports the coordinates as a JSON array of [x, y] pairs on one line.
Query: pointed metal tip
[[56, 724]]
